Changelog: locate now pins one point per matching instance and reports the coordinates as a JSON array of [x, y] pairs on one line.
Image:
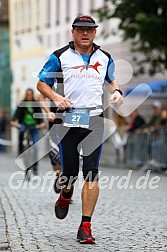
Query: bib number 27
[[76, 118]]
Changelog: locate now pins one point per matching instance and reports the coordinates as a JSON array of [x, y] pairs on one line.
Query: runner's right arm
[[60, 101], [46, 80]]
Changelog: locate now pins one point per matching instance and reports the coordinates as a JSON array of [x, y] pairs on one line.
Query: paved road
[[131, 219]]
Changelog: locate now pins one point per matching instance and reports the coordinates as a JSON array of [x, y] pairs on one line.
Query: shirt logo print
[[82, 67]]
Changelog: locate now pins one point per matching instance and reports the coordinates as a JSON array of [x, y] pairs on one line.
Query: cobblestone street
[[125, 220]]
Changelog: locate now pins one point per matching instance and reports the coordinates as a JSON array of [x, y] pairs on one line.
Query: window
[[16, 17], [58, 39], [29, 15], [38, 13], [57, 12], [23, 73], [22, 16], [79, 7], [48, 14], [19, 17], [92, 6], [49, 41], [67, 11]]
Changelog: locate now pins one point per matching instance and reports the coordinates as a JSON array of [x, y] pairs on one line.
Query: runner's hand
[[116, 98], [14, 124], [42, 125], [51, 116], [63, 103]]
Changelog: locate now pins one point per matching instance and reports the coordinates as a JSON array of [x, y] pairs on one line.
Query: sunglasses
[[83, 29]]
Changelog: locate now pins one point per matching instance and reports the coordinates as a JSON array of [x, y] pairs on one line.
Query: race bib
[[77, 118]]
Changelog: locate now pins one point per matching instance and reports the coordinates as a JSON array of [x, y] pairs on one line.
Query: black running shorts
[[72, 140]]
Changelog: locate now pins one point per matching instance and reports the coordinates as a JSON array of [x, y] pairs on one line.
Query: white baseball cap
[[157, 104]]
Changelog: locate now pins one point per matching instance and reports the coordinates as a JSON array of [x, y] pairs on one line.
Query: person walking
[[54, 153], [24, 117], [135, 123], [3, 123], [83, 67]]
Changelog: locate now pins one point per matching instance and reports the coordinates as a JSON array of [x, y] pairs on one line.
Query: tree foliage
[[145, 23]]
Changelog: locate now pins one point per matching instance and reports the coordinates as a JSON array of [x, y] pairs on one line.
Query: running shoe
[[62, 206], [84, 233], [56, 186]]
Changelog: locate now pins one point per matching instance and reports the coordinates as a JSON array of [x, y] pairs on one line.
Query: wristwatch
[[121, 93]]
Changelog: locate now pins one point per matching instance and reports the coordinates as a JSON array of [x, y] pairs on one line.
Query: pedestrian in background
[[2, 131], [119, 137], [155, 119], [23, 118], [136, 122], [84, 68], [54, 153], [163, 121]]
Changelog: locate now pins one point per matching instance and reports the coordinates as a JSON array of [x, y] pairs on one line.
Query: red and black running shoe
[[62, 206], [84, 233]]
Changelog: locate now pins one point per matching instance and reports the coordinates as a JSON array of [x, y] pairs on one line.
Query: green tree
[[145, 23]]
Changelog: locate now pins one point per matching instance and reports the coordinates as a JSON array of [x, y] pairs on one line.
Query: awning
[[158, 88]]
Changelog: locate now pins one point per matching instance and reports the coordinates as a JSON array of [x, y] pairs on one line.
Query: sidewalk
[[124, 220]]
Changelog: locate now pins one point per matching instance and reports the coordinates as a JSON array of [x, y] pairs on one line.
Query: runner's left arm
[[112, 85]]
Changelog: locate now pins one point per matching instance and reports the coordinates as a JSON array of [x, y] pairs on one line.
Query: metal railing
[[147, 149]]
